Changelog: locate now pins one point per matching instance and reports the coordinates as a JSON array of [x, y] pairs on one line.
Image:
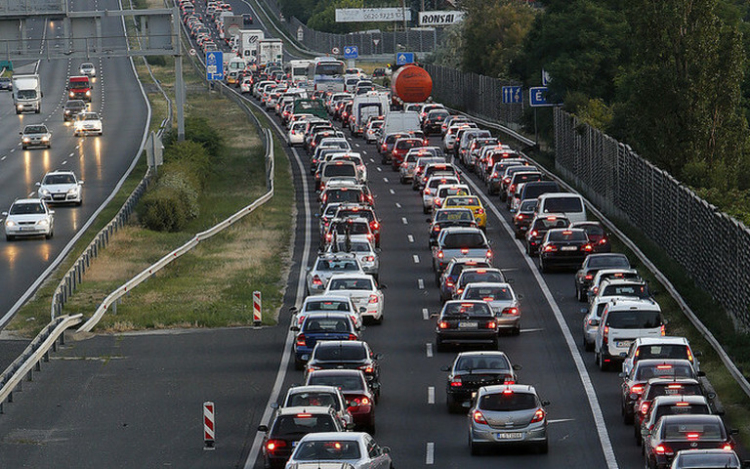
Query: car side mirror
[[263, 428], [584, 310], [623, 354], [293, 310], [51, 212], [274, 405], [20, 133], [633, 396], [734, 431], [711, 395], [545, 403], [294, 328], [362, 309], [434, 315], [378, 356], [622, 374], [38, 184], [697, 353], [383, 286], [700, 374], [385, 449], [429, 220], [350, 426]]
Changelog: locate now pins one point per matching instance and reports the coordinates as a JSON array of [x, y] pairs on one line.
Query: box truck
[[27, 93]]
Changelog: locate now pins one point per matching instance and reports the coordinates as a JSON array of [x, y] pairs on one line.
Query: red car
[[360, 400], [401, 148]]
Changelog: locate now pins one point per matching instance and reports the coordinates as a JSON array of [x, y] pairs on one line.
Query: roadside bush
[[163, 209], [158, 60], [191, 158], [197, 129]]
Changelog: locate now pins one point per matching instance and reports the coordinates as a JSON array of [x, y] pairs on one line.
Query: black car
[[72, 108], [348, 354], [289, 426], [446, 217], [6, 84], [593, 264], [679, 432], [523, 216], [472, 370], [539, 227], [433, 122], [564, 247], [466, 322]]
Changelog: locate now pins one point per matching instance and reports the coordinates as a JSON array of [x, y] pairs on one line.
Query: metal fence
[[478, 95], [713, 247], [368, 43]]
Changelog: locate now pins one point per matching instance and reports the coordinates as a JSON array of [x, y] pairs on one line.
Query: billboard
[[365, 15], [440, 18]]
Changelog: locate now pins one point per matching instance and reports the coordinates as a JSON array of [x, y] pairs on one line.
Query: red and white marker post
[[257, 316], [209, 428]]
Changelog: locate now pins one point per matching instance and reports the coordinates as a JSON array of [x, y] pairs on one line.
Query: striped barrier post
[[209, 429], [257, 317]]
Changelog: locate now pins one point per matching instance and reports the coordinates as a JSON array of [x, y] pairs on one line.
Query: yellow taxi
[[471, 202]]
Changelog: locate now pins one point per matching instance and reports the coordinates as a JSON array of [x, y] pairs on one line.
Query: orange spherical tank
[[411, 84]]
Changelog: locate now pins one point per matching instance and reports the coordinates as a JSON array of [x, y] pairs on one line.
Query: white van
[[571, 205], [403, 121], [623, 321]]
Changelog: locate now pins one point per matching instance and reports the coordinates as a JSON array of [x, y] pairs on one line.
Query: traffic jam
[[331, 417]]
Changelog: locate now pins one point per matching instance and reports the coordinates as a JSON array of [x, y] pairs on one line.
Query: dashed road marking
[[398, 205], [416, 258], [428, 349], [431, 395], [425, 314], [420, 283], [385, 180], [430, 457], [404, 221], [410, 238], [379, 168]]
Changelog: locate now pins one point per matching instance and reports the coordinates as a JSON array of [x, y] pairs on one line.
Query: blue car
[[321, 326]]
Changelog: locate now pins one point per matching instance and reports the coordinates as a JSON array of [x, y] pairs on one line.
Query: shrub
[[197, 129], [190, 157], [158, 60], [163, 209]]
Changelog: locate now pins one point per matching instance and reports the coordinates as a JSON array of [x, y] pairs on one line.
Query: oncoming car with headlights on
[[36, 135], [87, 122], [29, 217], [60, 187]]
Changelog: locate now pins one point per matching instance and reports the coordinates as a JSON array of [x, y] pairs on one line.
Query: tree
[[494, 31]]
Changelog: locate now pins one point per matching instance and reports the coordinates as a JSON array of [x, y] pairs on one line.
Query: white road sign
[[440, 18]]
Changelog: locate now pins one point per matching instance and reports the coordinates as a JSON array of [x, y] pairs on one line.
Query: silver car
[[367, 255], [356, 448], [328, 264], [501, 299], [505, 415], [591, 320], [29, 217], [36, 135], [327, 396]]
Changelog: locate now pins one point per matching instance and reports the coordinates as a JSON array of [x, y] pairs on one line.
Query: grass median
[[212, 285]]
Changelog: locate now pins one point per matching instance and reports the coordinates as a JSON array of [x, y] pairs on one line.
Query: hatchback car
[[466, 322], [60, 187], [471, 202], [340, 450], [29, 217], [673, 433], [360, 400], [505, 415], [36, 135], [318, 396], [88, 69], [591, 265], [6, 84], [539, 227], [327, 265], [448, 217], [656, 387], [367, 297], [564, 247], [707, 459], [87, 122], [348, 355], [502, 300], [472, 370], [660, 406]]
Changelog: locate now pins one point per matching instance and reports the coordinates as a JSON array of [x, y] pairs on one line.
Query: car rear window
[[563, 205], [343, 195], [488, 293], [508, 402], [327, 450], [712, 460], [353, 228], [634, 319], [681, 408], [638, 291], [609, 261], [350, 284], [333, 170], [571, 235], [662, 351], [664, 370], [323, 399], [473, 277], [684, 431], [314, 324], [340, 353], [454, 215], [337, 265], [532, 191], [298, 425], [349, 382], [483, 363], [464, 240], [546, 224], [327, 305], [466, 309], [460, 201]]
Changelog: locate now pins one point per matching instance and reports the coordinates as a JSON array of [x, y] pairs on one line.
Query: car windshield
[[343, 195], [454, 215], [482, 276], [350, 284], [53, 179], [327, 305], [648, 371], [314, 324], [322, 399], [634, 319], [464, 240], [337, 352], [348, 382], [718, 460], [26, 94], [466, 309], [88, 116], [488, 293], [339, 170], [528, 205], [483, 363], [508, 402], [353, 228], [35, 129], [332, 450], [684, 431], [336, 265], [302, 424], [26, 209], [609, 261], [346, 213], [549, 223], [592, 230]]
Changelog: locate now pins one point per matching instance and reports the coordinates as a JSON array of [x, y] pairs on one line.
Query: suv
[[623, 321], [659, 347]]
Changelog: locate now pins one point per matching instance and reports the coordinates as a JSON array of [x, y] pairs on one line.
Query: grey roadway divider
[[725, 359], [166, 260], [32, 356]]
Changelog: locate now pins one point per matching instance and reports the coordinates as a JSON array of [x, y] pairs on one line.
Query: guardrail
[[32, 356]]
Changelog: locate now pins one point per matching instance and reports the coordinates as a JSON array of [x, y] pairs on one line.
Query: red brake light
[[443, 324], [664, 367], [440, 254], [273, 445], [479, 418], [373, 299], [352, 337], [317, 281], [538, 415], [456, 382], [491, 325], [301, 340], [589, 277], [636, 389], [644, 407], [368, 369], [663, 330], [489, 254], [512, 311], [693, 436]]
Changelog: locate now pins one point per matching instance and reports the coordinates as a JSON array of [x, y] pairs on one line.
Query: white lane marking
[[560, 420], [431, 395], [416, 258], [356, 145], [428, 348], [420, 283], [425, 314], [385, 180], [588, 386], [31, 194], [3, 158], [65, 162], [398, 205], [410, 238], [391, 191], [372, 160], [430, 457], [404, 221], [535, 329], [379, 168]]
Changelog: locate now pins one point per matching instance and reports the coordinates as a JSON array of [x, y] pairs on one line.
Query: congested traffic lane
[[99, 161]]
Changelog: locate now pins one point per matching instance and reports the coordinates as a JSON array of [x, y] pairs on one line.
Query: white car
[[296, 135], [60, 187], [29, 217], [87, 122], [362, 289], [359, 449], [326, 304], [502, 300], [87, 69], [359, 245]]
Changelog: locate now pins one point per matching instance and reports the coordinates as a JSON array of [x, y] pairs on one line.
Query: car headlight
[[19, 107], [88, 93], [44, 191], [43, 222], [45, 138], [26, 140], [73, 191], [10, 223], [72, 94]]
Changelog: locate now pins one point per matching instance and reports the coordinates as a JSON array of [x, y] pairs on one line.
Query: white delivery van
[[401, 121], [569, 204]]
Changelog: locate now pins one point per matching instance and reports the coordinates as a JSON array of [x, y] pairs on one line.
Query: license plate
[[27, 228], [671, 392], [623, 343], [509, 436], [569, 248], [468, 324]]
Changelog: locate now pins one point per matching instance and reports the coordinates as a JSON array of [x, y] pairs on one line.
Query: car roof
[[664, 340], [692, 399], [482, 353], [312, 388], [662, 361], [487, 284], [28, 201], [322, 436], [311, 409], [498, 388]]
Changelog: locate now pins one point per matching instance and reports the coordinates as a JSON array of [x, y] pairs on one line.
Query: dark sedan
[[466, 322], [593, 264], [673, 433], [472, 370], [446, 217], [563, 248], [348, 354]]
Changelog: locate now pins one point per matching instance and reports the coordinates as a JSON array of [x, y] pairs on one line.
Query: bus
[[298, 69], [326, 74]]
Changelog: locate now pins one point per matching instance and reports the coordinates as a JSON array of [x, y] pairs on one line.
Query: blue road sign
[[512, 95], [214, 65], [403, 58], [351, 52], [538, 97]]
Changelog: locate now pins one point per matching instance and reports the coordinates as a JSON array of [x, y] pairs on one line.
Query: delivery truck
[[27, 93]]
